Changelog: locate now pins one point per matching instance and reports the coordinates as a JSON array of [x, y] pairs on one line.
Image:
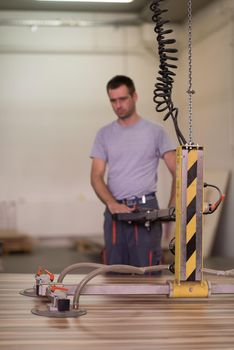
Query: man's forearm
[[172, 199], [104, 194], [102, 191]]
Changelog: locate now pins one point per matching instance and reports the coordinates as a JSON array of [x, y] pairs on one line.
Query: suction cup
[[58, 314], [30, 292]]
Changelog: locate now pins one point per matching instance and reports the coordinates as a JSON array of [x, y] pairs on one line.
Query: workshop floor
[[55, 259]]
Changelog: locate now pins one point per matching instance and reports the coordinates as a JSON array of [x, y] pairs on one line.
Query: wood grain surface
[[116, 322]]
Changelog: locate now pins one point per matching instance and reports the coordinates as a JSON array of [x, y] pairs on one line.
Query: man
[[131, 147]]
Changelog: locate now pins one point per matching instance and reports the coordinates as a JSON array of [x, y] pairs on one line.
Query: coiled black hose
[[163, 87]]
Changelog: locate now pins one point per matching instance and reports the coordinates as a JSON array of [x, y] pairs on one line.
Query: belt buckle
[[135, 200], [131, 201]]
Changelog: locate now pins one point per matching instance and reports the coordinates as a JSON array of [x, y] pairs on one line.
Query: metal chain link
[[190, 91]]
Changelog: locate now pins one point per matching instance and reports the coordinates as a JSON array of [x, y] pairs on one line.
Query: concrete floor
[[55, 259]]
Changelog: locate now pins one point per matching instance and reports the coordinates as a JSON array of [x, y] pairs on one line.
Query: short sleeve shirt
[[132, 154]]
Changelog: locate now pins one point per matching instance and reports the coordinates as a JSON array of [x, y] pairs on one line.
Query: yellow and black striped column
[[191, 211], [189, 205]]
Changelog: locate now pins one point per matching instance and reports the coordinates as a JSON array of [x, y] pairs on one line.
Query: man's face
[[123, 104]]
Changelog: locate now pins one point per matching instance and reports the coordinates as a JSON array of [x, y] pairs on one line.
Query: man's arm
[[97, 181], [170, 161]]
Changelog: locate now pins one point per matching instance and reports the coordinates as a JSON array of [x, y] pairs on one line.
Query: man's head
[[122, 94], [119, 80]]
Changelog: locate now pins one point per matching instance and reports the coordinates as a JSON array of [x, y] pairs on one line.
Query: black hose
[[163, 87]]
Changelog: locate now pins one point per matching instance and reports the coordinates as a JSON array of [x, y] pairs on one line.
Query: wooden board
[[13, 241], [127, 322]]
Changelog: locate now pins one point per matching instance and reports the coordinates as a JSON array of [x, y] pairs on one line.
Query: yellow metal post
[[189, 224]]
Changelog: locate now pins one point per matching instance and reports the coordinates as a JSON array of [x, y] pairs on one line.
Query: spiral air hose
[[163, 87]]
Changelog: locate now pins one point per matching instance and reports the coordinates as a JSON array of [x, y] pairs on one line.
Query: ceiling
[[177, 8]]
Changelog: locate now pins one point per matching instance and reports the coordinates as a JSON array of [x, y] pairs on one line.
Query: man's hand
[[116, 208]]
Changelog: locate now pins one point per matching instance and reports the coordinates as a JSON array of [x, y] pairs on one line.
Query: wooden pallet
[[88, 245], [13, 241]]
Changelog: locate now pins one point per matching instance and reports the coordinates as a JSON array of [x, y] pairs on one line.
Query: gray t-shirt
[[132, 154]]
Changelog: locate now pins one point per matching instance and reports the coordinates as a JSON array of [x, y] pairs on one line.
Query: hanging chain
[[190, 91]]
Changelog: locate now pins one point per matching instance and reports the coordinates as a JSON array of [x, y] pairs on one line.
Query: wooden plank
[[13, 241], [121, 322]]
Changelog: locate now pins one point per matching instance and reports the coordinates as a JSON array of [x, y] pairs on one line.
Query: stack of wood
[[13, 241], [88, 245]]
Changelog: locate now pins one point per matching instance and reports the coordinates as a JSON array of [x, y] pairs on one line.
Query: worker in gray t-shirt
[[130, 148]]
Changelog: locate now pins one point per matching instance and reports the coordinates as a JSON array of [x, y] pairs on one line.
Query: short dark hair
[[119, 80]]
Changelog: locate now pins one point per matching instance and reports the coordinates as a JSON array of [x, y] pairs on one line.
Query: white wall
[[213, 106], [53, 100]]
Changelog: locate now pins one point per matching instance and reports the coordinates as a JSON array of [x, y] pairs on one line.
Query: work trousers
[[132, 243]]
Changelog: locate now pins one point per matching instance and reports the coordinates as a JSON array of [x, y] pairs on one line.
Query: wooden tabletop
[[115, 322]]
